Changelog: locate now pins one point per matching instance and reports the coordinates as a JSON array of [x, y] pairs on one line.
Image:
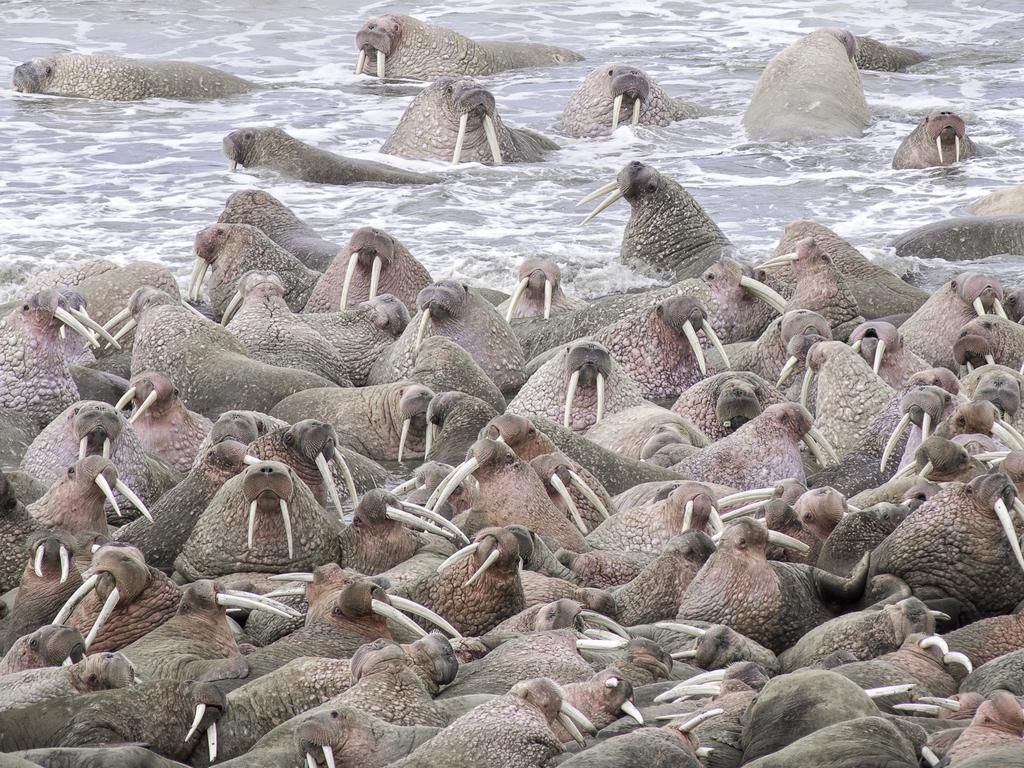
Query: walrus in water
[[116, 78], [456, 119], [617, 94], [401, 46], [939, 139], [274, 149], [809, 89]]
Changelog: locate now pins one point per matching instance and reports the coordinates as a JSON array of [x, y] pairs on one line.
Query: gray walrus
[[964, 238], [939, 139], [402, 46], [116, 78], [809, 89], [274, 149]]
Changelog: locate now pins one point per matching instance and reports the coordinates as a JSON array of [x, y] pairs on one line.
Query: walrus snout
[[268, 479], [972, 349], [388, 313], [441, 300], [948, 125], [638, 179], [32, 76], [209, 241], [630, 82], [379, 34], [737, 405], [473, 98], [589, 359], [1001, 390]]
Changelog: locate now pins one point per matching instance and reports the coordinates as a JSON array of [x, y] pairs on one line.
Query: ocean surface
[[83, 179]]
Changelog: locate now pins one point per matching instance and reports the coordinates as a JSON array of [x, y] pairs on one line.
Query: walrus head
[[539, 280], [33, 76], [845, 37], [980, 291], [876, 338], [149, 390], [737, 403], [371, 251], [44, 314], [378, 39], [267, 488], [469, 108], [587, 364], [944, 127], [96, 427], [248, 146], [1002, 389], [440, 303], [388, 313]]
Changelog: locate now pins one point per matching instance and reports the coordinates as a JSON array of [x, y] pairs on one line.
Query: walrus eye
[[289, 439], [34, 645], [652, 188], [49, 70], [71, 471], [92, 679], [26, 307], [611, 72], [449, 90], [247, 135], [334, 714]]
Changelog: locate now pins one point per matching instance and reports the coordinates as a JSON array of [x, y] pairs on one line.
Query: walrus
[[456, 119], [809, 89], [117, 78], [1005, 200], [964, 238], [402, 46], [939, 139], [872, 54], [617, 94], [274, 149]]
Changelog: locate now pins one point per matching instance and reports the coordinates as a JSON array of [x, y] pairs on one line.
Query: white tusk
[[252, 524], [83, 317], [1011, 534], [696, 720], [755, 494], [600, 398], [615, 195], [125, 399], [117, 319], [926, 426], [698, 353], [462, 554], [403, 437], [745, 510], [410, 606], [819, 438], [375, 269], [616, 106], [150, 399], [686, 629], [816, 451], [782, 540], [938, 147], [361, 62], [124, 329], [997, 305], [74, 324], [894, 438], [350, 482], [783, 259], [630, 709], [136, 502], [350, 270], [517, 294], [200, 711], [879, 351], [106, 448], [979, 307], [889, 690], [713, 338], [601, 620], [952, 705], [570, 395], [956, 143], [428, 438], [690, 654], [38, 561], [399, 516], [195, 282], [287, 520], [688, 515], [328, 755], [328, 478], [955, 657], [453, 481], [233, 599], [380, 64], [294, 576], [78, 594], [403, 488], [805, 387], [390, 612], [495, 553], [65, 563], [108, 608], [918, 709], [416, 509], [588, 493], [548, 290], [636, 111], [602, 190], [232, 307], [787, 369], [593, 644], [492, 139], [104, 486], [559, 486], [461, 138], [764, 293], [211, 742], [421, 329], [571, 728], [310, 761], [929, 756]]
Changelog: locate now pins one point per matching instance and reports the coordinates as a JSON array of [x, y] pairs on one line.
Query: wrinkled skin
[[48, 646], [857, 534], [290, 157], [401, 274], [998, 722], [429, 129], [960, 519], [456, 419], [218, 543], [910, 663], [444, 366], [277, 221], [820, 285], [919, 150], [774, 604], [588, 112], [809, 89], [545, 392], [39, 597], [964, 238], [177, 511], [761, 452], [460, 313], [117, 78], [1000, 338], [100, 672], [874, 55], [75, 503], [649, 528], [374, 543], [418, 50], [853, 743], [207, 364], [158, 713], [538, 272], [767, 356], [721, 404], [898, 364], [167, 429], [16, 525], [496, 595], [641, 431]]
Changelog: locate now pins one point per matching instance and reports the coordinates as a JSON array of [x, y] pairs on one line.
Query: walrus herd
[[322, 509]]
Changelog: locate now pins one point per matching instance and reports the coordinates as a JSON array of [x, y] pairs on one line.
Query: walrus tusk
[[879, 352], [600, 398], [816, 451], [559, 486], [616, 106], [325, 473], [577, 717], [143, 407], [37, 562], [696, 720], [687, 515], [75, 325], [997, 305], [132, 497], [570, 394], [486, 564], [747, 509], [252, 524], [952, 705], [616, 194], [195, 282], [782, 260], [422, 329], [410, 606], [108, 608], [453, 481], [104, 486], [685, 691], [755, 494], [460, 139], [689, 654], [601, 634], [232, 307], [403, 488], [630, 709], [120, 317], [200, 711], [350, 482], [1011, 534], [400, 516], [911, 469], [938, 147], [126, 398], [603, 621], [894, 438], [956, 143], [926, 426], [693, 686], [889, 690], [919, 709], [929, 756], [380, 64], [517, 294], [428, 438], [304, 576], [390, 612], [361, 62], [1008, 434], [686, 629], [403, 437], [819, 438], [65, 563], [287, 520], [955, 657], [716, 520], [237, 599], [979, 307], [350, 270], [124, 329], [416, 509], [83, 317], [602, 190], [764, 292], [548, 290], [787, 369], [698, 353], [805, 387], [713, 338], [588, 493], [492, 140], [78, 594], [636, 111], [782, 540], [989, 359], [462, 554], [211, 742]]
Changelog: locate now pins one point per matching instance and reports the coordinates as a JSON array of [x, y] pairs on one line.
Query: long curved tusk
[[616, 106], [588, 493], [126, 398], [571, 729], [442, 521], [195, 282], [104, 486], [410, 606], [83, 317], [715, 341], [375, 268], [918, 709], [75, 324], [350, 270], [78, 594], [1011, 534], [815, 449], [602, 190], [688, 515], [548, 291], [143, 406], [698, 353], [559, 486], [787, 369], [894, 438], [686, 629], [403, 437], [293, 576], [819, 438], [517, 294], [629, 708], [484, 566], [409, 485], [600, 398], [390, 612], [108, 608], [805, 387], [287, 520], [325, 474], [754, 494], [461, 554], [889, 690], [200, 711], [65, 563], [428, 438], [124, 329], [328, 751], [765, 293], [616, 194], [600, 619], [453, 481], [418, 523], [421, 329], [117, 319], [568, 713], [997, 305], [696, 720], [636, 111], [461, 138], [747, 509], [938, 148], [879, 352], [955, 657], [350, 482], [782, 260], [37, 563], [136, 502], [235, 599], [492, 139], [570, 395], [232, 308], [782, 540]]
